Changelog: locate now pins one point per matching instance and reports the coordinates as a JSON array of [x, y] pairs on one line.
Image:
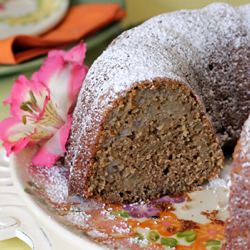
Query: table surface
[[137, 11]]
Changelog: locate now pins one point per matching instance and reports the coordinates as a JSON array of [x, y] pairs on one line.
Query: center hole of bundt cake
[[155, 141]]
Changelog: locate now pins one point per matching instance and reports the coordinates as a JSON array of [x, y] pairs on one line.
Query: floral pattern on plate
[[154, 225]]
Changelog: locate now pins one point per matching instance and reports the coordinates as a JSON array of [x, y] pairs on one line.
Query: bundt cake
[[158, 106], [237, 229]]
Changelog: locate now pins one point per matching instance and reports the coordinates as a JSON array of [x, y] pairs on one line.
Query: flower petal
[[141, 210], [54, 148], [170, 199], [63, 73], [21, 93], [76, 54], [14, 134], [78, 74]]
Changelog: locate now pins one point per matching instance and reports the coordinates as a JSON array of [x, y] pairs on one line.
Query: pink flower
[[2, 7], [41, 108]]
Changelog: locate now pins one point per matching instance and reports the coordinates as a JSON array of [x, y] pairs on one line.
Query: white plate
[[30, 17], [15, 220], [56, 232], [213, 197]]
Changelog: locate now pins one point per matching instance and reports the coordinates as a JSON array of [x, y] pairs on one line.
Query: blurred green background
[[137, 11]]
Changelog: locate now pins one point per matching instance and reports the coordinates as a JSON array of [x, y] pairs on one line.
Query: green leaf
[[139, 236], [153, 236], [215, 248], [121, 213], [124, 214], [191, 237], [212, 243], [186, 233], [170, 242]]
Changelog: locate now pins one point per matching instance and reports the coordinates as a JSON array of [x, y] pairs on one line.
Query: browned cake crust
[[142, 124], [238, 225]]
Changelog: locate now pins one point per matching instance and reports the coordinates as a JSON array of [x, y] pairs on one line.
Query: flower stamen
[[51, 117], [41, 108], [24, 119]]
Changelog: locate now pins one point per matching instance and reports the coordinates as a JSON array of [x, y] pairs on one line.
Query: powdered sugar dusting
[[182, 46], [54, 180], [245, 143], [245, 13], [78, 218], [239, 202]]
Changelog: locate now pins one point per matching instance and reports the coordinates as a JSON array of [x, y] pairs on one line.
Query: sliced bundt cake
[[157, 106]]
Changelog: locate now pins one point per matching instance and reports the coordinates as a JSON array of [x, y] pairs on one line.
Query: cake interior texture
[[156, 140]]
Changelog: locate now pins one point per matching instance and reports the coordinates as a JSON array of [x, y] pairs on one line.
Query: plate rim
[[42, 27], [44, 219]]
